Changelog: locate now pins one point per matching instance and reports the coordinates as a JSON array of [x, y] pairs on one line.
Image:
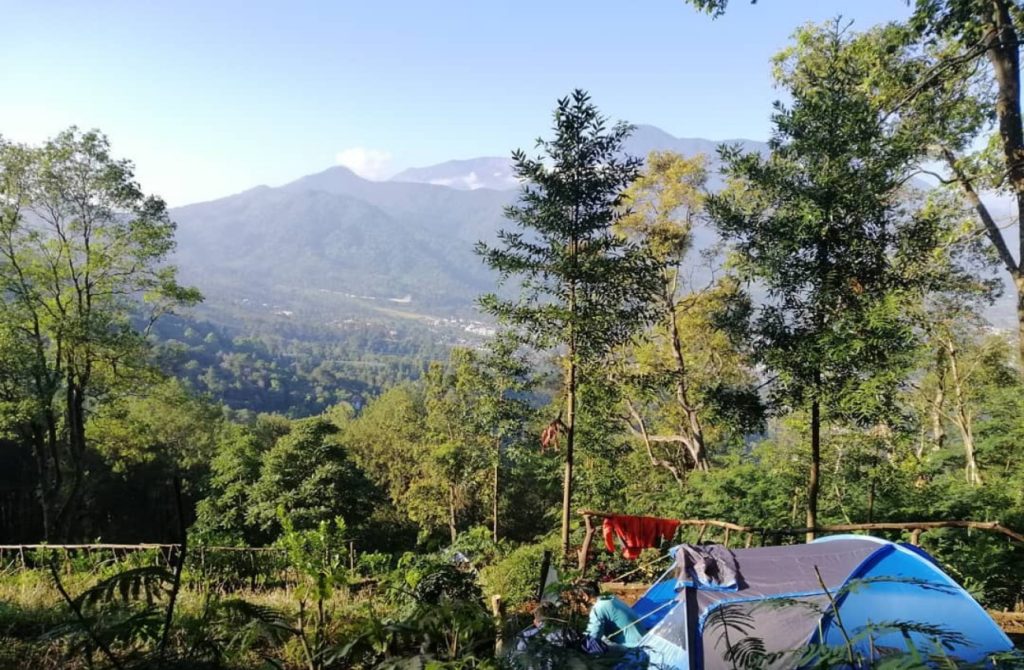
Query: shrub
[[515, 577], [447, 583], [373, 564], [479, 547]]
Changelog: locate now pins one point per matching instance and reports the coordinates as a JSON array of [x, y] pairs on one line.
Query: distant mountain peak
[[492, 172], [495, 172]]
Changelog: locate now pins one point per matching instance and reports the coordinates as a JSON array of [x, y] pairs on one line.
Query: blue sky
[[210, 98]]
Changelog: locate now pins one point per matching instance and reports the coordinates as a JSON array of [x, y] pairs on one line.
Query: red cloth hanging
[[637, 533]]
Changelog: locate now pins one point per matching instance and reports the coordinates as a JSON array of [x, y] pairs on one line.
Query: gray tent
[[717, 608]]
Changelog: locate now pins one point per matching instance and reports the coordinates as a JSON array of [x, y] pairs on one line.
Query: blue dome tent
[[717, 608]]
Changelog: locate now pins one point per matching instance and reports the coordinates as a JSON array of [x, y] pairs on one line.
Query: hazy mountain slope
[[646, 139], [266, 243], [437, 210], [487, 172], [333, 243]]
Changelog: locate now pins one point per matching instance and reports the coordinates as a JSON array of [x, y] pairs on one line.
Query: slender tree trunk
[[995, 236], [494, 502], [1003, 53], [697, 448], [963, 419], [813, 478], [1019, 283], [75, 419], [570, 417], [44, 495], [819, 318], [570, 434], [938, 401], [871, 492], [451, 514], [49, 469]]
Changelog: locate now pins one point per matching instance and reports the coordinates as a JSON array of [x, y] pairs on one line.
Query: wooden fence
[[21, 553]]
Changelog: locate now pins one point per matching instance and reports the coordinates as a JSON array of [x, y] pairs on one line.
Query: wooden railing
[[915, 528]]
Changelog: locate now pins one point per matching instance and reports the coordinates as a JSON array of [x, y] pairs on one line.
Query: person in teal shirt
[[611, 619]]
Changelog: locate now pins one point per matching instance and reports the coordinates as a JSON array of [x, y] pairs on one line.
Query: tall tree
[[820, 225], [959, 37], [386, 441], [502, 409], [681, 367], [583, 288], [82, 250], [309, 474], [665, 202], [955, 69], [951, 312], [458, 440]]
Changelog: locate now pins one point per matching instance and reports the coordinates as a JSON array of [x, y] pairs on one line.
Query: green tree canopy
[[825, 228], [582, 287], [83, 270], [309, 475]]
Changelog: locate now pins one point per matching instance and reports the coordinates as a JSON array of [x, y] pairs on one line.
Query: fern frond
[[146, 583]]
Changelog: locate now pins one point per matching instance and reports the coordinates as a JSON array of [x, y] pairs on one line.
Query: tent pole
[[692, 616]]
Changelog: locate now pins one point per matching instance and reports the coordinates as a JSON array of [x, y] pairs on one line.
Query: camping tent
[[887, 597]]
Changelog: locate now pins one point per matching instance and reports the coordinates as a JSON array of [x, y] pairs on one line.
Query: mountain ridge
[[496, 172], [332, 244]]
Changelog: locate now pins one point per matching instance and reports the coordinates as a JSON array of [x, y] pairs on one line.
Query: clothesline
[[993, 526], [916, 528]]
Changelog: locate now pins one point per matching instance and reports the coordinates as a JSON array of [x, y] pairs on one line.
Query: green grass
[[31, 607]]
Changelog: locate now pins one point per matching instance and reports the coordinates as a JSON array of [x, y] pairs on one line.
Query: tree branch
[[991, 227]]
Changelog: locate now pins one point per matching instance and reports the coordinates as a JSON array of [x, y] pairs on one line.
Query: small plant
[[320, 557], [373, 564]]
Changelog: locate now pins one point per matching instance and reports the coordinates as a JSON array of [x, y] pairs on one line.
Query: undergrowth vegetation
[[314, 609]]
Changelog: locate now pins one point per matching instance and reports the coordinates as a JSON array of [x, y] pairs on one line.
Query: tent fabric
[[712, 566], [895, 591]]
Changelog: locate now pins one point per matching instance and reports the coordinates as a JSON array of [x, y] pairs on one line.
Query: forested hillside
[[297, 373]]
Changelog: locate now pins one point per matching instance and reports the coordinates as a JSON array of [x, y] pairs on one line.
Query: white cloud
[[367, 163]]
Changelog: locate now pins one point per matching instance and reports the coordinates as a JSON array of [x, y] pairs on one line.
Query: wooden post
[[915, 537], [498, 611], [700, 535], [544, 565], [727, 531], [352, 554], [588, 522]]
